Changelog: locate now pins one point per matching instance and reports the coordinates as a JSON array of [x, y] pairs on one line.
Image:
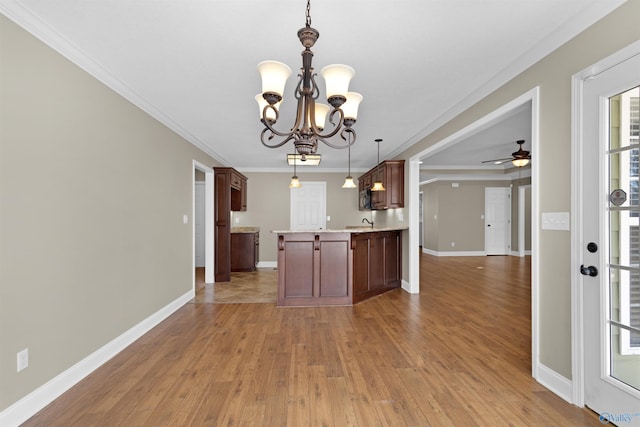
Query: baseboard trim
[[517, 254], [555, 382], [267, 264], [29, 405], [406, 286], [453, 253]]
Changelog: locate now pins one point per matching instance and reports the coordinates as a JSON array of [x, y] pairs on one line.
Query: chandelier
[[310, 120]]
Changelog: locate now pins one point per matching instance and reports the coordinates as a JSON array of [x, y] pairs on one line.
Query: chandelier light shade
[[321, 115], [311, 117], [337, 78], [274, 76], [271, 114], [350, 107]]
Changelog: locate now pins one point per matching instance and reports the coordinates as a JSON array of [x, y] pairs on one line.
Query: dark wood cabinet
[[377, 263], [238, 191], [228, 185], [391, 173], [244, 251], [337, 268], [314, 269], [364, 182]]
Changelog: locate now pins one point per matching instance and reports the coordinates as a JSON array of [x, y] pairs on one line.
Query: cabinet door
[[395, 180], [243, 252], [296, 266], [222, 221], [364, 182], [236, 180], [243, 195], [256, 256], [392, 259], [376, 261], [360, 265]]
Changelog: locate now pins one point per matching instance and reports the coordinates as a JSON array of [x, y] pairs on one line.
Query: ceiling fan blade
[[498, 161]]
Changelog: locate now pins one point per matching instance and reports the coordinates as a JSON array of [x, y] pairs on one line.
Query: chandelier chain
[[308, 13]]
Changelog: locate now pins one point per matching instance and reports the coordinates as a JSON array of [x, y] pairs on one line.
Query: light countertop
[[245, 229], [353, 229]]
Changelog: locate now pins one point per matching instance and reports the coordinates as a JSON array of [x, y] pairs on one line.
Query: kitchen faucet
[[370, 222]]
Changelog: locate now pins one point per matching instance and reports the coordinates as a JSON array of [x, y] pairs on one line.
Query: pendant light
[[295, 182], [348, 181], [377, 186]]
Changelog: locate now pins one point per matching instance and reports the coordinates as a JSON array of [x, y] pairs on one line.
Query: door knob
[[589, 271]]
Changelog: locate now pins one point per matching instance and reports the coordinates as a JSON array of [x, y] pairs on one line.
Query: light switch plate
[[23, 360], [555, 221]]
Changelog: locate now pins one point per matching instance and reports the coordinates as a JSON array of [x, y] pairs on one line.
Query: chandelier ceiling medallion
[[310, 116]]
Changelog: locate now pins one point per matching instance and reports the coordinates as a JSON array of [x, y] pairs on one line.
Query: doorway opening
[[531, 98], [202, 223]]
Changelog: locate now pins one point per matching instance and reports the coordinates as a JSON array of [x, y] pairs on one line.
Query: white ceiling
[[192, 64]]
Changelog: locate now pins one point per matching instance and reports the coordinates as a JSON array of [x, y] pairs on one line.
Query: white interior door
[[609, 243], [309, 206], [421, 219], [199, 224], [497, 220]]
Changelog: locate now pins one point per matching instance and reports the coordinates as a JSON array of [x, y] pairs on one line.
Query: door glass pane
[[624, 239]]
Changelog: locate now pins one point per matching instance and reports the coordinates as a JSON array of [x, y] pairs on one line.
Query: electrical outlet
[[23, 359]]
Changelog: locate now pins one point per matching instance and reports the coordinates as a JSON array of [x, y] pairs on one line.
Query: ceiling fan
[[518, 158]]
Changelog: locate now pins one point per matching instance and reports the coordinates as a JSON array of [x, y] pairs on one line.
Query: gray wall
[[458, 215], [553, 75], [92, 194], [454, 214]]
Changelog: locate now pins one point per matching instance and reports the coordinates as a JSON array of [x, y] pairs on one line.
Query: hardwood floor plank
[[457, 354]]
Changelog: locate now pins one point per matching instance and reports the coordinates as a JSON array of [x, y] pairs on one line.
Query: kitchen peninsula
[[337, 267]]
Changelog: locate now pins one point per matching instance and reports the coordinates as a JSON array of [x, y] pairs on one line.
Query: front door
[[610, 243]]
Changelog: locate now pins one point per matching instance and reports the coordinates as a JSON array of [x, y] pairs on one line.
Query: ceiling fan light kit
[[311, 117]]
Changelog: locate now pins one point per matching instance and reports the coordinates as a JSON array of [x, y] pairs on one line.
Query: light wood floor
[[458, 354]]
